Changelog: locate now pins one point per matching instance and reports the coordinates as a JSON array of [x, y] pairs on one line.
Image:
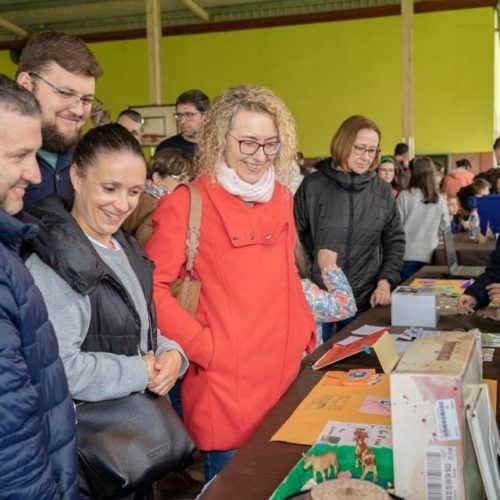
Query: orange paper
[[330, 401]]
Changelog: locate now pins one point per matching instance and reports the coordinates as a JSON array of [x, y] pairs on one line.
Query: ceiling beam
[[17, 30], [196, 9], [266, 22]]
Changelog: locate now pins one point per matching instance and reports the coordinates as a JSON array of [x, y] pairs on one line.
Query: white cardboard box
[[433, 454], [414, 307]]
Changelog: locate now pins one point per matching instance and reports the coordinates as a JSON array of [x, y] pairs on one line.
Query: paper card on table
[[442, 286], [347, 340], [376, 404], [332, 402], [490, 340], [368, 330], [381, 342]]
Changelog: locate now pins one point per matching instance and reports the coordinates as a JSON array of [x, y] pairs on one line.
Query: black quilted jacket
[[356, 216]]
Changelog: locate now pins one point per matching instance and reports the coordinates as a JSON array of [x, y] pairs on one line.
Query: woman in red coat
[[253, 324]]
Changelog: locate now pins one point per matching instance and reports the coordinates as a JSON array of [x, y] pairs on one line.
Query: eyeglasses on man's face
[[69, 96], [251, 147], [188, 116], [360, 150]]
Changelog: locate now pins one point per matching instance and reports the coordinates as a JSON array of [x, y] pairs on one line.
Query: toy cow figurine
[[364, 456], [321, 464]]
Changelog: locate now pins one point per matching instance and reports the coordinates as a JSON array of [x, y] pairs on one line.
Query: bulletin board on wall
[[159, 123]]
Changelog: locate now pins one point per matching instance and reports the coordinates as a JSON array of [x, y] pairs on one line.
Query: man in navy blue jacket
[[61, 72], [38, 458]]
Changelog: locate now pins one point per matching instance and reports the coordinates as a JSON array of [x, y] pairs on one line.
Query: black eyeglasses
[[188, 116], [360, 150], [93, 101], [251, 147]]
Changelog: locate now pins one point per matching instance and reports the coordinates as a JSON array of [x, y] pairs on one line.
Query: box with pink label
[[434, 458]]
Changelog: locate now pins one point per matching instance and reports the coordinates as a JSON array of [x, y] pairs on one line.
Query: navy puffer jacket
[[38, 458]]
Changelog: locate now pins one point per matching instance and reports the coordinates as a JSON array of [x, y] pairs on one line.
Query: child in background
[[458, 223], [468, 195], [424, 215], [387, 172], [337, 302]]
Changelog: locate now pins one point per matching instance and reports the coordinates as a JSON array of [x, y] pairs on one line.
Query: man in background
[[402, 159], [38, 457], [190, 109], [61, 72], [132, 121]]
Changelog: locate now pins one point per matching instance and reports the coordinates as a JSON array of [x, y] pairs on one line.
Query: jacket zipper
[[349, 230]]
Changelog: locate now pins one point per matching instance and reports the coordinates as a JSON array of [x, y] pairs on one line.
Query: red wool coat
[[253, 323]]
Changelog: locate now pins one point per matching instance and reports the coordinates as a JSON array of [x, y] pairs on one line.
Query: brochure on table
[[379, 342], [343, 450], [329, 399]]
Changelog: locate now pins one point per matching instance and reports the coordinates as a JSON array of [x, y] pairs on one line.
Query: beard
[[55, 141]]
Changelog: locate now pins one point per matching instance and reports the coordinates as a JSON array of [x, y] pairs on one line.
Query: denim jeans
[[175, 397], [410, 267], [215, 460]]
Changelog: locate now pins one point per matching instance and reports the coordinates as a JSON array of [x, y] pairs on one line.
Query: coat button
[[252, 236], [235, 238], [268, 236]]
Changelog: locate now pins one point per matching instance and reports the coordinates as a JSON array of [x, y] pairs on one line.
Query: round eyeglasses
[[251, 147], [360, 150]]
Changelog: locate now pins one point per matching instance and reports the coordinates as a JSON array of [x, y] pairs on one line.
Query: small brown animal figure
[[321, 464], [364, 456]]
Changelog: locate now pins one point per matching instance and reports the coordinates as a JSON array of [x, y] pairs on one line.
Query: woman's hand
[[167, 366], [327, 258], [150, 360], [466, 304], [494, 293], [381, 295], [489, 313]]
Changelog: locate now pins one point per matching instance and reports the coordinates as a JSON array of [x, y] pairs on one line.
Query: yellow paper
[[327, 401], [386, 352]]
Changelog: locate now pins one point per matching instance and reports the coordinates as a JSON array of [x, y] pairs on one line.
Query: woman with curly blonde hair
[[246, 340]]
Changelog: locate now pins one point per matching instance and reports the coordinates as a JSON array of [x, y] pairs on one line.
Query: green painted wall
[[328, 71]]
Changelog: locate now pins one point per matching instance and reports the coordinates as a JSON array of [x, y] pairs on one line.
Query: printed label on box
[[441, 472], [445, 413]]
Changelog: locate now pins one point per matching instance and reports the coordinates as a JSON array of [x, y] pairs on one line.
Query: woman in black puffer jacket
[[347, 208]]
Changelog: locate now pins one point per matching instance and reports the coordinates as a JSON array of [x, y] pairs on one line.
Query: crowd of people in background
[[92, 239]]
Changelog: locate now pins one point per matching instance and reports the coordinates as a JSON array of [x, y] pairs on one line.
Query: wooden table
[[469, 253], [259, 466]]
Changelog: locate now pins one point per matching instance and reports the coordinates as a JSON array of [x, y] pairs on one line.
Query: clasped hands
[[163, 370]]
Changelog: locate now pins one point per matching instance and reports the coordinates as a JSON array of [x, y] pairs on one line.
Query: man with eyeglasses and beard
[[190, 109], [61, 72]]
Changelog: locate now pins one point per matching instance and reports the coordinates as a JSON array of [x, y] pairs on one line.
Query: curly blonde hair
[[219, 121]]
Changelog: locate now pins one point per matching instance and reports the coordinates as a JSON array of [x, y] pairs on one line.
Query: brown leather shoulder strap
[[194, 224]]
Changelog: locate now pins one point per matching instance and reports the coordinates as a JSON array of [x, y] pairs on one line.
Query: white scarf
[[260, 192]]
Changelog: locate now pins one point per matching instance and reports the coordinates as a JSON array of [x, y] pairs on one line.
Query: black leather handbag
[[128, 443]]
